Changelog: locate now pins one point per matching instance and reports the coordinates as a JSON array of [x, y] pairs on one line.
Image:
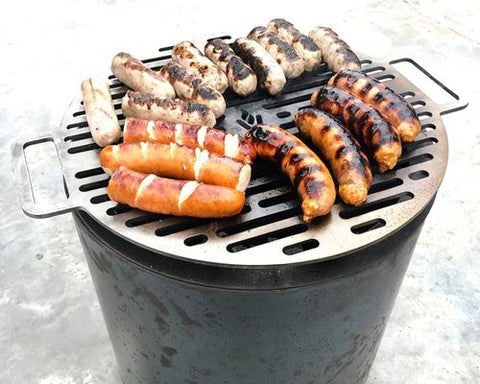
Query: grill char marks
[[377, 134], [392, 106], [303, 167]]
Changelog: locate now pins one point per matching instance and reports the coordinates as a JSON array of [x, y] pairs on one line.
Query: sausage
[[99, 111], [268, 71], [136, 75], [303, 167], [189, 56], [241, 78], [146, 106], [173, 197], [303, 45], [336, 53], [194, 136], [398, 111], [189, 86], [347, 161], [292, 64], [178, 162], [369, 127]]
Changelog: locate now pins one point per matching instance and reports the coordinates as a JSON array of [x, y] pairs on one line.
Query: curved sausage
[[189, 56], [268, 71], [173, 197], [377, 134], [136, 75], [336, 53], [146, 106], [292, 64], [241, 78], [347, 161], [99, 111], [398, 111], [194, 136], [189, 86], [176, 161], [303, 45], [305, 170]]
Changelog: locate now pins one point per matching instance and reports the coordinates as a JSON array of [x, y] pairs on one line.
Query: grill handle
[[29, 203]]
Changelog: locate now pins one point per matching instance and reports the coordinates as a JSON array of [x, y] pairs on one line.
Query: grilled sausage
[[189, 56], [303, 45], [241, 78], [377, 134], [194, 136], [336, 53], [292, 64], [189, 86], [305, 170], [146, 106], [347, 161], [99, 110], [398, 111], [176, 161], [268, 71], [173, 197], [136, 75]]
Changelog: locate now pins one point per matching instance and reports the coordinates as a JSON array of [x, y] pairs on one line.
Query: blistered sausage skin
[[336, 53], [338, 146], [189, 56], [194, 136], [369, 127], [305, 170], [99, 111], [303, 45], [173, 197], [146, 106], [136, 75], [268, 71], [398, 111], [176, 161], [292, 64], [189, 86]]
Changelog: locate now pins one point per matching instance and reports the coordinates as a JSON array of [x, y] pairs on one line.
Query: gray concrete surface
[[51, 326]]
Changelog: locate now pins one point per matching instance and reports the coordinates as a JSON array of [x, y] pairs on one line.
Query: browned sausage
[[398, 111], [369, 127], [176, 161], [303, 167], [347, 161], [173, 197], [194, 136]]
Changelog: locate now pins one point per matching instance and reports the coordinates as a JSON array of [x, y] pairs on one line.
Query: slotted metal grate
[[269, 230]]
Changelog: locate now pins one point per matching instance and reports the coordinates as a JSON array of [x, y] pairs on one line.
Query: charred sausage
[[189, 86], [336, 53], [292, 64], [173, 197], [303, 45], [146, 106], [398, 111], [194, 136], [305, 170], [176, 161], [99, 111], [241, 78], [189, 56], [268, 71], [347, 161], [376, 133], [136, 75]]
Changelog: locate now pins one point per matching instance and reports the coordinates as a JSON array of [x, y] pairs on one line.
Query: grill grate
[[269, 230]]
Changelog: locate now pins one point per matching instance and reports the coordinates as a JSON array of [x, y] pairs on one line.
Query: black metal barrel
[[173, 321]]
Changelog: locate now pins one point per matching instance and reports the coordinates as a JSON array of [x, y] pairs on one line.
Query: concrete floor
[[51, 326]]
